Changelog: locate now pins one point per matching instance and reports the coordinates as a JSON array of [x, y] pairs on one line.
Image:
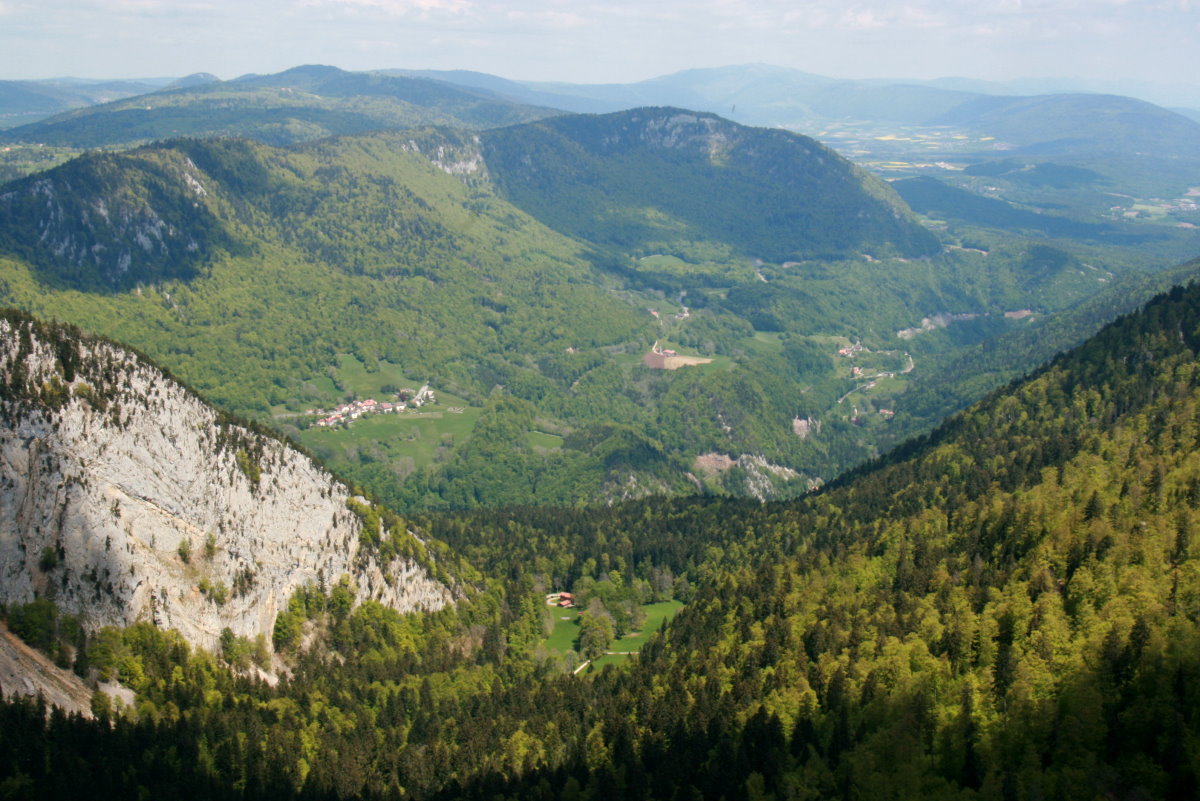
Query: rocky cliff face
[[124, 497], [106, 222]]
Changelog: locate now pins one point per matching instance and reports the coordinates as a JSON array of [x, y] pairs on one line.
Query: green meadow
[[566, 631]]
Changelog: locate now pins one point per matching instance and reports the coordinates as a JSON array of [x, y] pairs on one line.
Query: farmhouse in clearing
[[665, 359]]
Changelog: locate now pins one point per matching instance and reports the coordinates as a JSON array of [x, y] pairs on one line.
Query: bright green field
[[410, 435], [656, 615], [562, 638], [540, 439], [353, 375], [673, 265], [771, 341]]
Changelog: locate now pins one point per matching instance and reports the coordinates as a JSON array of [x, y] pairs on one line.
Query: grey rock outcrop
[[125, 497]]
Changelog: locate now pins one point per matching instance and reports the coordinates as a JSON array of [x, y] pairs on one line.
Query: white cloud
[[549, 18], [861, 20], [394, 7]]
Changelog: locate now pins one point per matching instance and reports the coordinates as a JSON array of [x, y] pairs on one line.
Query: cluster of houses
[[563, 600], [857, 419], [851, 350], [406, 399], [662, 351], [681, 315]]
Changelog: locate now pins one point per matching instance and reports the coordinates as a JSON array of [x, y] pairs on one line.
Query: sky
[[599, 41]]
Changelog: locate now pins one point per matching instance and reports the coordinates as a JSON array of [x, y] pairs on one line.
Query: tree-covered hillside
[[27, 101], [1081, 123], [931, 197], [649, 179], [280, 281], [104, 222], [297, 105], [1008, 608], [359, 246]]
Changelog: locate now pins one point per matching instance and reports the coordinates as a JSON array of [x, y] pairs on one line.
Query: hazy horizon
[[618, 42]]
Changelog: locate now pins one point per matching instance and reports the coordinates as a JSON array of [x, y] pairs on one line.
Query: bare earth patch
[[660, 361], [24, 671], [711, 464]]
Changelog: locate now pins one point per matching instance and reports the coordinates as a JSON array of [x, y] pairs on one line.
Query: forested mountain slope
[[647, 178], [300, 104], [266, 276], [1008, 608], [970, 372], [283, 281], [288, 257]]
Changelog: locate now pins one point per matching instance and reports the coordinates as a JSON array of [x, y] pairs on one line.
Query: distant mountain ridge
[[299, 104], [338, 102], [655, 175], [1074, 123], [760, 94], [25, 101]]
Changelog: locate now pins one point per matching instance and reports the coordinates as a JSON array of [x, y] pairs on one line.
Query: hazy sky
[[599, 41]]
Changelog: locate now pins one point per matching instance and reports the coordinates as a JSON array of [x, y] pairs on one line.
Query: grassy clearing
[[718, 363], [769, 339], [663, 262], [352, 380], [410, 435], [565, 632], [353, 375], [608, 659], [540, 439], [763, 343], [656, 615], [889, 386]]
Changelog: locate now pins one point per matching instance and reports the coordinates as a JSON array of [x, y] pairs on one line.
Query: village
[[563, 600], [860, 373], [406, 399]]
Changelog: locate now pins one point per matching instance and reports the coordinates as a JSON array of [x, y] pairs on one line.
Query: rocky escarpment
[[124, 497], [108, 222]]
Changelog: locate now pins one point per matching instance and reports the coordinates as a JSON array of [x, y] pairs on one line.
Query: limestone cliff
[[125, 497]]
